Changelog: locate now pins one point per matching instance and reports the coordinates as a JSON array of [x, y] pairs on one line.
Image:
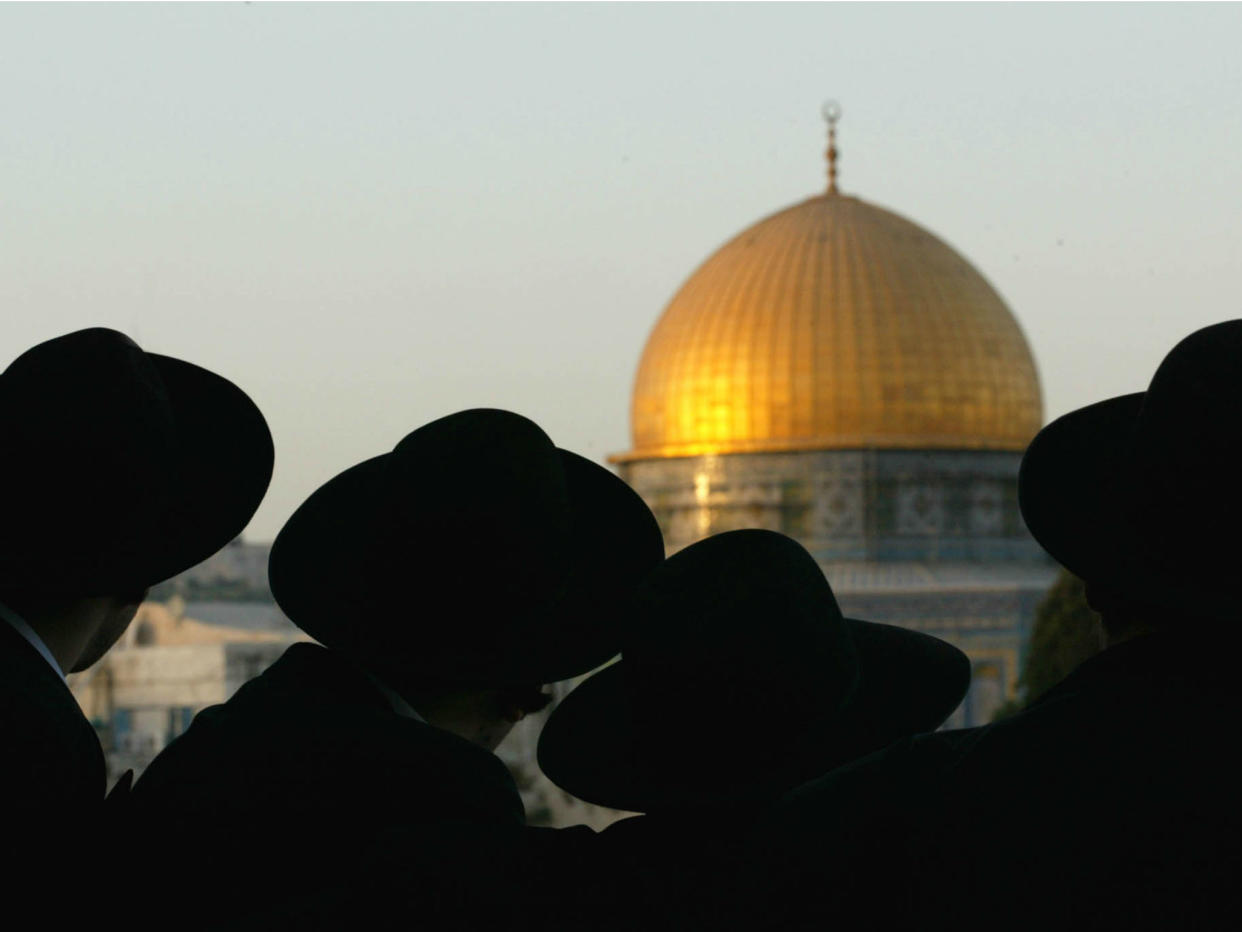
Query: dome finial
[[832, 112]]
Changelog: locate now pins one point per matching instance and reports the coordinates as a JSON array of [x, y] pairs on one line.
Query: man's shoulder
[[310, 732], [21, 667], [33, 697], [916, 761], [312, 701], [51, 750], [305, 692], [1129, 707]]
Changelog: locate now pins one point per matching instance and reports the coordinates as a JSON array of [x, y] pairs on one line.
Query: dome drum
[[875, 505]]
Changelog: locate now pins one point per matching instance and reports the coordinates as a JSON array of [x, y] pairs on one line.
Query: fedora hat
[[121, 467], [475, 551], [1140, 493], [739, 676]]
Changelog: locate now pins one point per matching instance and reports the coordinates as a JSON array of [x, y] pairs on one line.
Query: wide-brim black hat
[[121, 467], [476, 551], [782, 695], [1138, 493]]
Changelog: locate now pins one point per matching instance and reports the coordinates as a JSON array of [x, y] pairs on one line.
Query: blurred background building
[[178, 657]]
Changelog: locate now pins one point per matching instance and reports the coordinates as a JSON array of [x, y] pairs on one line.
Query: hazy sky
[[369, 216]]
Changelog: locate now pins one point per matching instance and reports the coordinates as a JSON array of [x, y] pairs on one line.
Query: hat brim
[[615, 542], [317, 562], [318, 572], [1067, 480], [592, 748], [911, 682], [225, 466]]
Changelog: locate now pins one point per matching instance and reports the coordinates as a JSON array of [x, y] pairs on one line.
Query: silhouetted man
[[1111, 801], [120, 469], [739, 679], [447, 581]]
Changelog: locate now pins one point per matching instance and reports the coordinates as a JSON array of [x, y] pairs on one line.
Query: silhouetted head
[[738, 641], [121, 469], [476, 552], [78, 630], [1139, 495]]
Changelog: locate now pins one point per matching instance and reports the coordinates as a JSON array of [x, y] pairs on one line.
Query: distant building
[[238, 572], [169, 666], [837, 373]]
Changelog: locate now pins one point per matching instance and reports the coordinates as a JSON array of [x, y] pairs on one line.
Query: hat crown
[[68, 392], [87, 418], [1190, 424], [482, 476], [1139, 493], [739, 632], [1180, 478]]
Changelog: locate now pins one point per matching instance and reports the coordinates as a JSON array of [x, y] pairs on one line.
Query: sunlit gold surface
[[834, 324]]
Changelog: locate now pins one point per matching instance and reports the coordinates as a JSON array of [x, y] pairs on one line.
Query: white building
[[164, 670]]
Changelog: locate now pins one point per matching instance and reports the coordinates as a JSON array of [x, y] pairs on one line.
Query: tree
[[1066, 633]]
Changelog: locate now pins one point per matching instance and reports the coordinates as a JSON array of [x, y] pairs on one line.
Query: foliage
[[1066, 633]]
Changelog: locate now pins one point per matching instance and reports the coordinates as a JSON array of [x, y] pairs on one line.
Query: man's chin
[[91, 656], [106, 635]]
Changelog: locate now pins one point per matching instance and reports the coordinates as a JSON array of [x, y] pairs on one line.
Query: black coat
[[52, 759], [1109, 803], [672, 870], [52, 776], [305, 800]]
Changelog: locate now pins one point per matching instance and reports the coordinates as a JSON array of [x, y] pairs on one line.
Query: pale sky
[[369, 216]]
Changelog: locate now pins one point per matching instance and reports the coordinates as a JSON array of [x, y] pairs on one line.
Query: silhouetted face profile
[[123, 480]]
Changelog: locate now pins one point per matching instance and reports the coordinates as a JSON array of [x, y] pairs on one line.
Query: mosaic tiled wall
[[847, 505]]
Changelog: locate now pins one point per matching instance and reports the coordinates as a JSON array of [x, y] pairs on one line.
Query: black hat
[[739, 676], [1140, 493], [475, 551], [121, 467]]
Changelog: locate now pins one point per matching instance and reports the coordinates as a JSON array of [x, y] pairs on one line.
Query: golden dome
[[834, 324]]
